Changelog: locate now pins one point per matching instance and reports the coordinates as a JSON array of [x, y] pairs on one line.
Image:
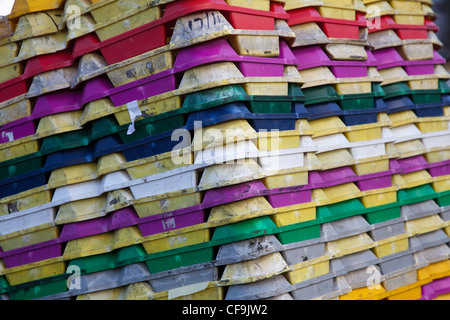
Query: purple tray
[[417, 163], [390, 58], [20, 131], [167, 222], [220, 50], [314, 56], [64, 101], [190, 57], [435, 288], [54, 248]]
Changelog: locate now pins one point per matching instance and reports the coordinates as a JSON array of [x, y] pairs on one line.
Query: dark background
[[442, 10]]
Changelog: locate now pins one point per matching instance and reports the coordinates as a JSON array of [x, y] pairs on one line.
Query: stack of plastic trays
[[116, 199], [351, 131], [422, 182], [406, 48]]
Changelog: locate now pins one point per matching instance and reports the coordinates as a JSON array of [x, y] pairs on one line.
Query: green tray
[[320, 94]]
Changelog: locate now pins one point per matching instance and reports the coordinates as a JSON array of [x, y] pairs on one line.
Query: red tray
[[333, 28]]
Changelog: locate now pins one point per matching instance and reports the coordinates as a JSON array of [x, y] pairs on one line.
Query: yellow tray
[[29, 238], [251, 4], [17, 204], [294, 214], [254, 270], [387, 248], [300, 273], [150, 208], [177, 241]]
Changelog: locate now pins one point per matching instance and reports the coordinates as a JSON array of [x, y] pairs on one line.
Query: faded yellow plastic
[[158, 166], [254, 270], [19, 150], [81, 210], [29, 238], [238, 210], [327, 126], [43, 45], [437, 156], [127, 236], [442, 185], [198, 76], [346, 51], [118, 199], [350, 244], [402, 118], [88, 246], [433, 126], [424, 84], [416, 178], [109, 11], [261, 46], [73, 174], [212, 293], [354, 88], [104, 295], [389, 248], [129, 23], [110, 163], [335, 158], [364, 134], [341, 192], [337, 13], [410, 148], [258, 89], [251, 4], [317, 76], [277, 141], [424, 225], [150, 208], [177, 241], [308, 272], [228, 174], [379, 199], [59, 123], [138, 69], [221, 134], [8, 52], [150, 109], [26, 202], [11, 71], [138, 291], [294, 216], [406, 5], [409, 19], [97, 109], [29, 273], [286, 180], [416, 51], [36, 24], [134, 291]]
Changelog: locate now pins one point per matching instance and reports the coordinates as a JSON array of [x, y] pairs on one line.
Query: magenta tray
[[313, 56], [187, 58], [435, 288], [390, 58], [154, 34], [53, 103], [417, 163]]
